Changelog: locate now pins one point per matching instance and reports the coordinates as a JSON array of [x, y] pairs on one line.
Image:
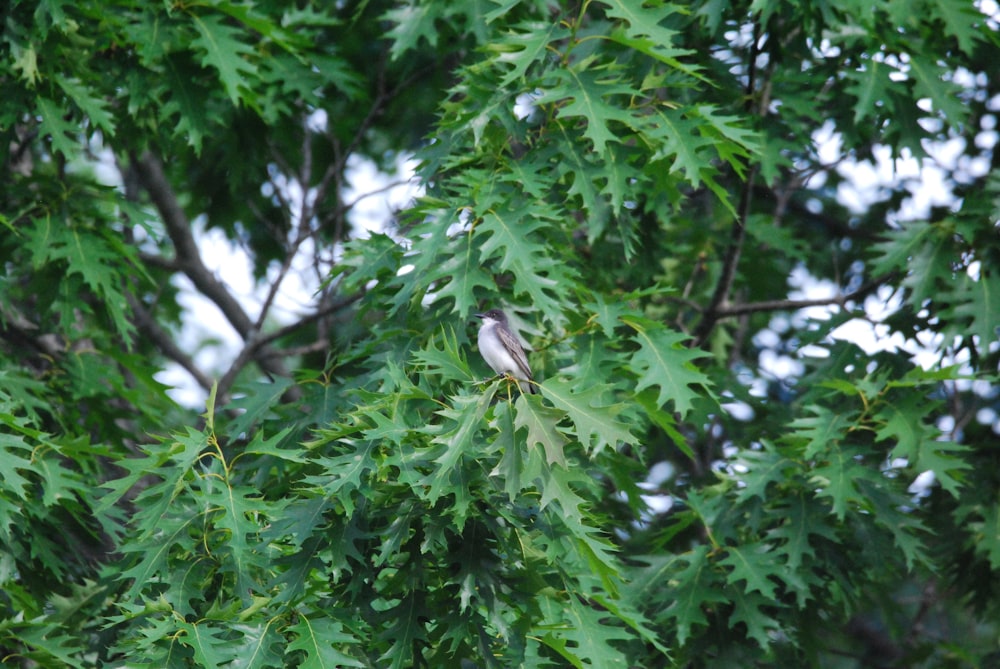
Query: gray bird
[[501, 349]]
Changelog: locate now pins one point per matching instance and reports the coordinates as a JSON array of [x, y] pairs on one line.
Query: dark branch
[[187, 258], [166, 345], [788, 305]]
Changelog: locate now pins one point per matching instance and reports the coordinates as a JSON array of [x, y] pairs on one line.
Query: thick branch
[[187, 254], [188, 260]]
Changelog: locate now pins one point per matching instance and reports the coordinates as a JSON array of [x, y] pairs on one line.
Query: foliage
[[642, 185]]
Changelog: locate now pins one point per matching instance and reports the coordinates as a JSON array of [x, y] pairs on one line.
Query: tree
[[641, 185]]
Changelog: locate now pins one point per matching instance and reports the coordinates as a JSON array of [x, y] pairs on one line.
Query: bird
[[502, 350]]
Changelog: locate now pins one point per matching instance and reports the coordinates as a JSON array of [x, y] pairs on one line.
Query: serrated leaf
[[681, 143], [403, 633], [983, 522], [748, 609], [902, 423], [511, 466], [696, 590], [319, 638], [412, 22], [347, 473], [579, 634], [95, 259], [466, 278], [800, 519], [763, 468], [526, 46], [642, 31], [978, 301], [838, 476], [583, 94], [49, 643], [210, 649], [961, 21], [754, 565], [541, 423], [260, 645], [94, 107], [254, 403], [63, 134], [512, 242], [596, 424], [225, 49], [868, 88], [931, 82], [15, 457], [663, 361], [456, 439], [448, 361], [888, 510], [821, 430]]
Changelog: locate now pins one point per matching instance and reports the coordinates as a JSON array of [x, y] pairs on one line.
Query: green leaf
[[413, 22], [749, 609], [94, 257], [346, 474], [763, 468], [517, 249], [982, 518], [209, 646], [448, 362], [462, 277], [525, 46], [583, 92], [838, 476], [961, 21], [755, 565], [978, 302], [682, 144], [596, 422], [511, 465], [321, 638], [63, 134], [224, 48], [541, 423], [48, 644], [821, 431], [94, 107], [456, 438], [888, 510], [931, 82], [664, 362], [15, 457], [870, 82], [903, 424], [800, 520], [642, 31], [579, 634], [403, 633], [696, 590]]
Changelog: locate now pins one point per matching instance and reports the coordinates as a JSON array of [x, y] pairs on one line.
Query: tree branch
[[787, 305], [187, 257], [165, 343]]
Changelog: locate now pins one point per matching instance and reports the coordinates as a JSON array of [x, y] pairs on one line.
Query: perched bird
[[501, 349]]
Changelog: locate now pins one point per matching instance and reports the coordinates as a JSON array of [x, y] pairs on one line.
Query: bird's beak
[[479, 315]]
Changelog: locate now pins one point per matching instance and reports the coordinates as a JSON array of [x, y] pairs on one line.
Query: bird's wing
[[516, 350]]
